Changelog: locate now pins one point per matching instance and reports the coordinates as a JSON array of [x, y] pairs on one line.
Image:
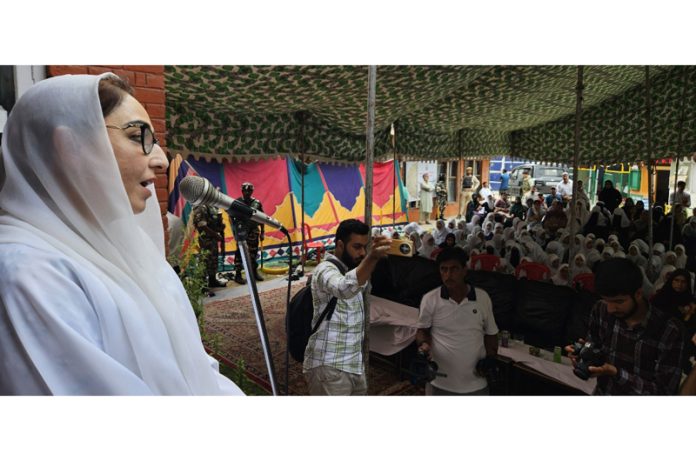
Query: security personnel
[[205, 222], [253, 230]]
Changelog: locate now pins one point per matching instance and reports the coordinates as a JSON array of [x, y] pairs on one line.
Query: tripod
[[240, 235]]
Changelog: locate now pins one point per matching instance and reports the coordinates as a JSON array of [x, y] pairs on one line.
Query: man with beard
[[456, 328], [641, 346], [334, 361]]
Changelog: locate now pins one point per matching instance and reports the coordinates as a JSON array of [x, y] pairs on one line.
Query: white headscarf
[[558, 278], [555, 247], [592, 257], [61, 192], [488, 227], [581, 215], [670, 258], [579, 266], [680, 250], [648, 287], [440, 234], [664, 273], [554, 263], [413, 227], [659, 249], [415, 238], [498, 240], [654, 267], [608, 253], [642, 246], [460, 238], [625, 222], [427, 246]]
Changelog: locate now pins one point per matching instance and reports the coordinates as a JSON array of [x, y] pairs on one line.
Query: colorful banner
[[332, 194], [178, 170]]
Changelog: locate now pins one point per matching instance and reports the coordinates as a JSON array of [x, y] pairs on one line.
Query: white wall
[[26, 76]]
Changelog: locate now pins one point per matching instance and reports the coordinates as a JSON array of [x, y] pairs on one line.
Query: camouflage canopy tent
[[437, 112]]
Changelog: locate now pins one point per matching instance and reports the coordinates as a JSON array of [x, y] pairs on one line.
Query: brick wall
[[148, 83]]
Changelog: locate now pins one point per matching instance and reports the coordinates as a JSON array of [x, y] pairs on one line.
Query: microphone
[[199, 191]]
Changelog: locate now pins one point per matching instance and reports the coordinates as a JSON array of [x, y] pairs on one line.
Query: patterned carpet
[[232, 323]]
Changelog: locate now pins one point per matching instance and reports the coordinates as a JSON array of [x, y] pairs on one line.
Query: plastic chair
[[307, 244], [585, 282], [533, 271], [487, 262]]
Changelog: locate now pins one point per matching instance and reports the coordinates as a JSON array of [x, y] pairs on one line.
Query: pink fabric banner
[[269, 177]]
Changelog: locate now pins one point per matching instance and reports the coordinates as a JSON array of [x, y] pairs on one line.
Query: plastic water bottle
[[557, 354], [504, 338]]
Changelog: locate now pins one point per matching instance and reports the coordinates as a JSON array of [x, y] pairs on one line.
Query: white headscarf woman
[[579, 266], [648, 287], [608, 253], [643, 247], [427, 245], [415, 238], [488, 229], [680, 250], [593, 257], [554, 263], [659, 250], [670, 258], [413, 227], [555, 247], [562, 276], [664, 273], [582, 215], [88, 302], [440, 232], [635, 256]]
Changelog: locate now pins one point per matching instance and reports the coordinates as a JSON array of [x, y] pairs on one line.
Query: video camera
[[588, 355], [424, 370]]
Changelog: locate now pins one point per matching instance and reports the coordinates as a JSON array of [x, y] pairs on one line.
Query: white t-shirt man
[[457, 331], [565, 188]]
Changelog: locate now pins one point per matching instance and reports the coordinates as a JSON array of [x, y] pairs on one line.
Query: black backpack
[[298, 321]]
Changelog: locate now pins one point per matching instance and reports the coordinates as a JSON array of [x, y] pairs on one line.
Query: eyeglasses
[[147, 137]]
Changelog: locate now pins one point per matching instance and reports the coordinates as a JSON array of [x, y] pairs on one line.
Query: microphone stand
[[240, 235]]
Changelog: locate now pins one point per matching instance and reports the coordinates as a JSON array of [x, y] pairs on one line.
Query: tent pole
[[370, 154], [394, 196], [576, 155], [370, 146], [460, 175], [651, 204], [676, 177], [680, 146], [303, 204]]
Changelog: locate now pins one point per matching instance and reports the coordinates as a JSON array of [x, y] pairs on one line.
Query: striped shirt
[[647, 356], [338, 342]]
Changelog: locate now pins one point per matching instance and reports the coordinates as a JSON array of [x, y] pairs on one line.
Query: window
[[550, 171]]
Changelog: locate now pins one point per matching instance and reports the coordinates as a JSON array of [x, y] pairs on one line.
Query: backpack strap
[[329, 310]]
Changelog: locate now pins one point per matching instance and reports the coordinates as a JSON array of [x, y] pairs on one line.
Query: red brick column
[[148, 83]]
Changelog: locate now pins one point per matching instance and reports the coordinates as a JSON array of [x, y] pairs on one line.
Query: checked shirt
[[648, 356], [338, 343]]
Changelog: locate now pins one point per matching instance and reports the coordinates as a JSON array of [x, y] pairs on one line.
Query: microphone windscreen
[[192, 188]]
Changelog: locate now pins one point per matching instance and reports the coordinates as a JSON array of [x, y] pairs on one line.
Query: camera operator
[[457, 329], [335, 356], [641, 347]]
